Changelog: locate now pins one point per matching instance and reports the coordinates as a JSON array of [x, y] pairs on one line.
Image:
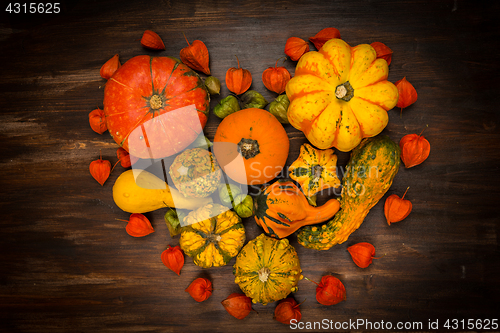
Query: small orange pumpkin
[[251, 146]]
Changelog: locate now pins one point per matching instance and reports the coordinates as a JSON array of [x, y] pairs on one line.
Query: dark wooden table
[[67, 264]]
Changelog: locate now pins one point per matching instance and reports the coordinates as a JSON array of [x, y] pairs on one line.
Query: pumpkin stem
[[155, 102], [238, 61], [344, 91], [316, 171], [214, 238], [248, 148], [264, 274]]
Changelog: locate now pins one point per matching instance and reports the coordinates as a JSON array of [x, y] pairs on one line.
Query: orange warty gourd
[[281, 209], [251, 146], [340, 95]]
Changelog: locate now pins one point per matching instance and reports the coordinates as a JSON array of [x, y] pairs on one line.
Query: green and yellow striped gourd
[[369, 173]]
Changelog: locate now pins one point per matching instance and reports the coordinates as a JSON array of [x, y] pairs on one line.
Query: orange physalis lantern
[[200, 289], [295, 47], [275, 78], [196, 56], [238, 80], [396, 209], [407, 93], [323, 36], [414, 149]]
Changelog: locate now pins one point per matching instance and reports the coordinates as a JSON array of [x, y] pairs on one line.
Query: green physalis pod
[[253, 99], [243, 205], [226, 106], [172, 219], [279, 108], [227, 193], [213, 85]]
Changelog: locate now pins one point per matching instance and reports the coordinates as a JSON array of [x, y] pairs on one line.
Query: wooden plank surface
[[68, 264]]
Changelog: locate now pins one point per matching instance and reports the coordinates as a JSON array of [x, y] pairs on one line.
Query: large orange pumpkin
[[251, 146], [155, 106]]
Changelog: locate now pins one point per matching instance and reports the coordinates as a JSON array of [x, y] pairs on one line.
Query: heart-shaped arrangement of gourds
[[155, 108]]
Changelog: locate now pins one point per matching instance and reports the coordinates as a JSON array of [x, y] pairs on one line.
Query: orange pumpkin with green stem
[[155, 106]]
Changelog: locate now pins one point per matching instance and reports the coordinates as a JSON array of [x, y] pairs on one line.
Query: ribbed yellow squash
[[340, 95], [267, 269]]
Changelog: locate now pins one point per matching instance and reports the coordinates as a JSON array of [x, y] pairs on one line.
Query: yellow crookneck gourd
[[340, 95], [139, 191]]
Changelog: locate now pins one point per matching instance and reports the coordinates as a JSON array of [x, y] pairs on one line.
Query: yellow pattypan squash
[[340, 95]]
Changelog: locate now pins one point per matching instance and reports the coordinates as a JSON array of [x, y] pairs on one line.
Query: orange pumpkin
[[155, 106], [251, 146]]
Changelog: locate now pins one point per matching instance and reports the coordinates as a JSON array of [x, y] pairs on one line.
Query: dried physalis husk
[[295, 47], [196, 56], [238, 80], [362, 254], [330, 290], [110, 67], [124, 157], [238, 305], [152, 41], [97, 121], [396, 209], [287, 310], [100, 169], [323, 36], [382, 51], [173, 258], [414, 149], [275, 78], [407, 93], [138, 225], [200, 289]]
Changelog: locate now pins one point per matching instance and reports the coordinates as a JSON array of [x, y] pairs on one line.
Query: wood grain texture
[[67, 263]]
